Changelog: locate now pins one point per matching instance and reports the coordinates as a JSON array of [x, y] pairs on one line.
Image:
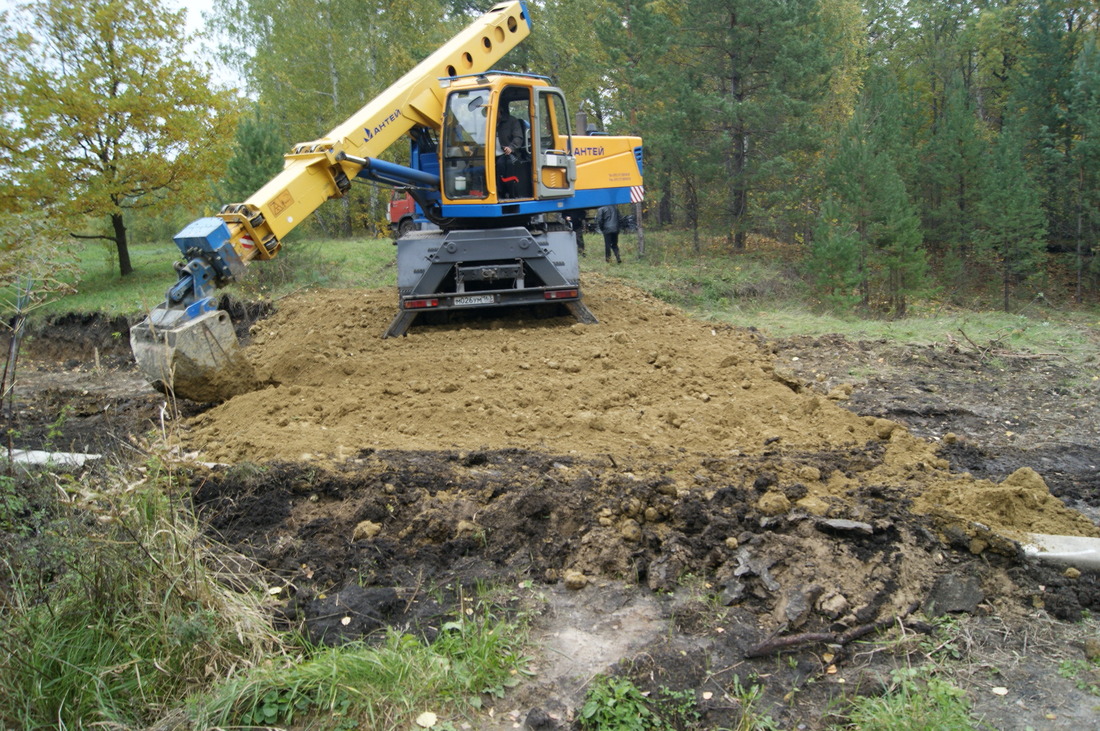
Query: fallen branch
[[983, 352], [1026, 356], [839, 639], [992, 350]]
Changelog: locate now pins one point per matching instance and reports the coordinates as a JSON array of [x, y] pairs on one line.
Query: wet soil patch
[[76, 387], [1072, 471], [397, 538], [991, 414], [78, 338]]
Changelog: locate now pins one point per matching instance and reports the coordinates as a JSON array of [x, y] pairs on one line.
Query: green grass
[[335, 263], [1080, 671], [615, 704], [711, 279], [760, 288], [113, 614], [924, 327], [917, 700], [381, 685], [101, 289]]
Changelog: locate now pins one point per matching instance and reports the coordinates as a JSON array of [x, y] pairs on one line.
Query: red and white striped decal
[[637, 193], [247, 243]]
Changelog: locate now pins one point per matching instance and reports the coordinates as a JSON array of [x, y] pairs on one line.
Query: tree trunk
[[345, 216], [664, 206], [692, 211], [739, 195], [861, 267], [1079, 296], [897, 282], [345, 223], [124, 266], [7, 382]]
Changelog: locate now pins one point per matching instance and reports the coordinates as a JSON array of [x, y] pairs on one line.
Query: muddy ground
[[690, 504]]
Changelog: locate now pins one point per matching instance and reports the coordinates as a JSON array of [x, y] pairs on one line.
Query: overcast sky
[[194, 10], [195, 22]]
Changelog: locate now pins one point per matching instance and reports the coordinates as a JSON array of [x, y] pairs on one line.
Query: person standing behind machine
[[577, 221], [607, 221]]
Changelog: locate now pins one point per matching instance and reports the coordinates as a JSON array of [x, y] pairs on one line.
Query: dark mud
[[691, 598]]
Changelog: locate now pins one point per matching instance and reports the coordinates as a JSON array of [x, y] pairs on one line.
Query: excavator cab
[[504, 161], [481, 162]]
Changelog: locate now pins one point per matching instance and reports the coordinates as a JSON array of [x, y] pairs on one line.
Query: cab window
[[464, 136]]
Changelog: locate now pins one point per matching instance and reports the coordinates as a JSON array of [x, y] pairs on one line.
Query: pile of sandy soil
[[648, 388]]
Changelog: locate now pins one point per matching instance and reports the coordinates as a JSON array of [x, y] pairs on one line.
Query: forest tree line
[[901, 144]]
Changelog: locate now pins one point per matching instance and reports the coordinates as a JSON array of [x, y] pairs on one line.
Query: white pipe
[[38, 458], [1076, 551]]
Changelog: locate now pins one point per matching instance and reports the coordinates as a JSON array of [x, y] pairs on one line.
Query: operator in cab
[[509, 142]]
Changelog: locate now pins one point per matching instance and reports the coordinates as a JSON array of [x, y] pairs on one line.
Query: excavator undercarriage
[[492, 268]]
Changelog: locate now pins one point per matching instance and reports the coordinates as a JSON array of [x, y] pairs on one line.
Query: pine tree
[[874, 212], [898, 244], [1085, 155], [833, 263], [950, 178], [761, 67], [257, 157], [1041, 94], [1013, 227], [653, 91]]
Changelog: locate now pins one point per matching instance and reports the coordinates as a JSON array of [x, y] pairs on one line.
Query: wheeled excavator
[[497, 205]]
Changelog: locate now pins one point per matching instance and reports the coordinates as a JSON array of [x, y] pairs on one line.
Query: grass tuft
[[113, 613], [380, 685], [917, 700]]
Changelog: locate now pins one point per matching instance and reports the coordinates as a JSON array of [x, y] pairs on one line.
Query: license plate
[[474, 299]]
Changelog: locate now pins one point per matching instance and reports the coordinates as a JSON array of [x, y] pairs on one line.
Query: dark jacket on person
[[509, 132], [607, 220]]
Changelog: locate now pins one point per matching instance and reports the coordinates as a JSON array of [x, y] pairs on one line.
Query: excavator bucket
[[199, 360]]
